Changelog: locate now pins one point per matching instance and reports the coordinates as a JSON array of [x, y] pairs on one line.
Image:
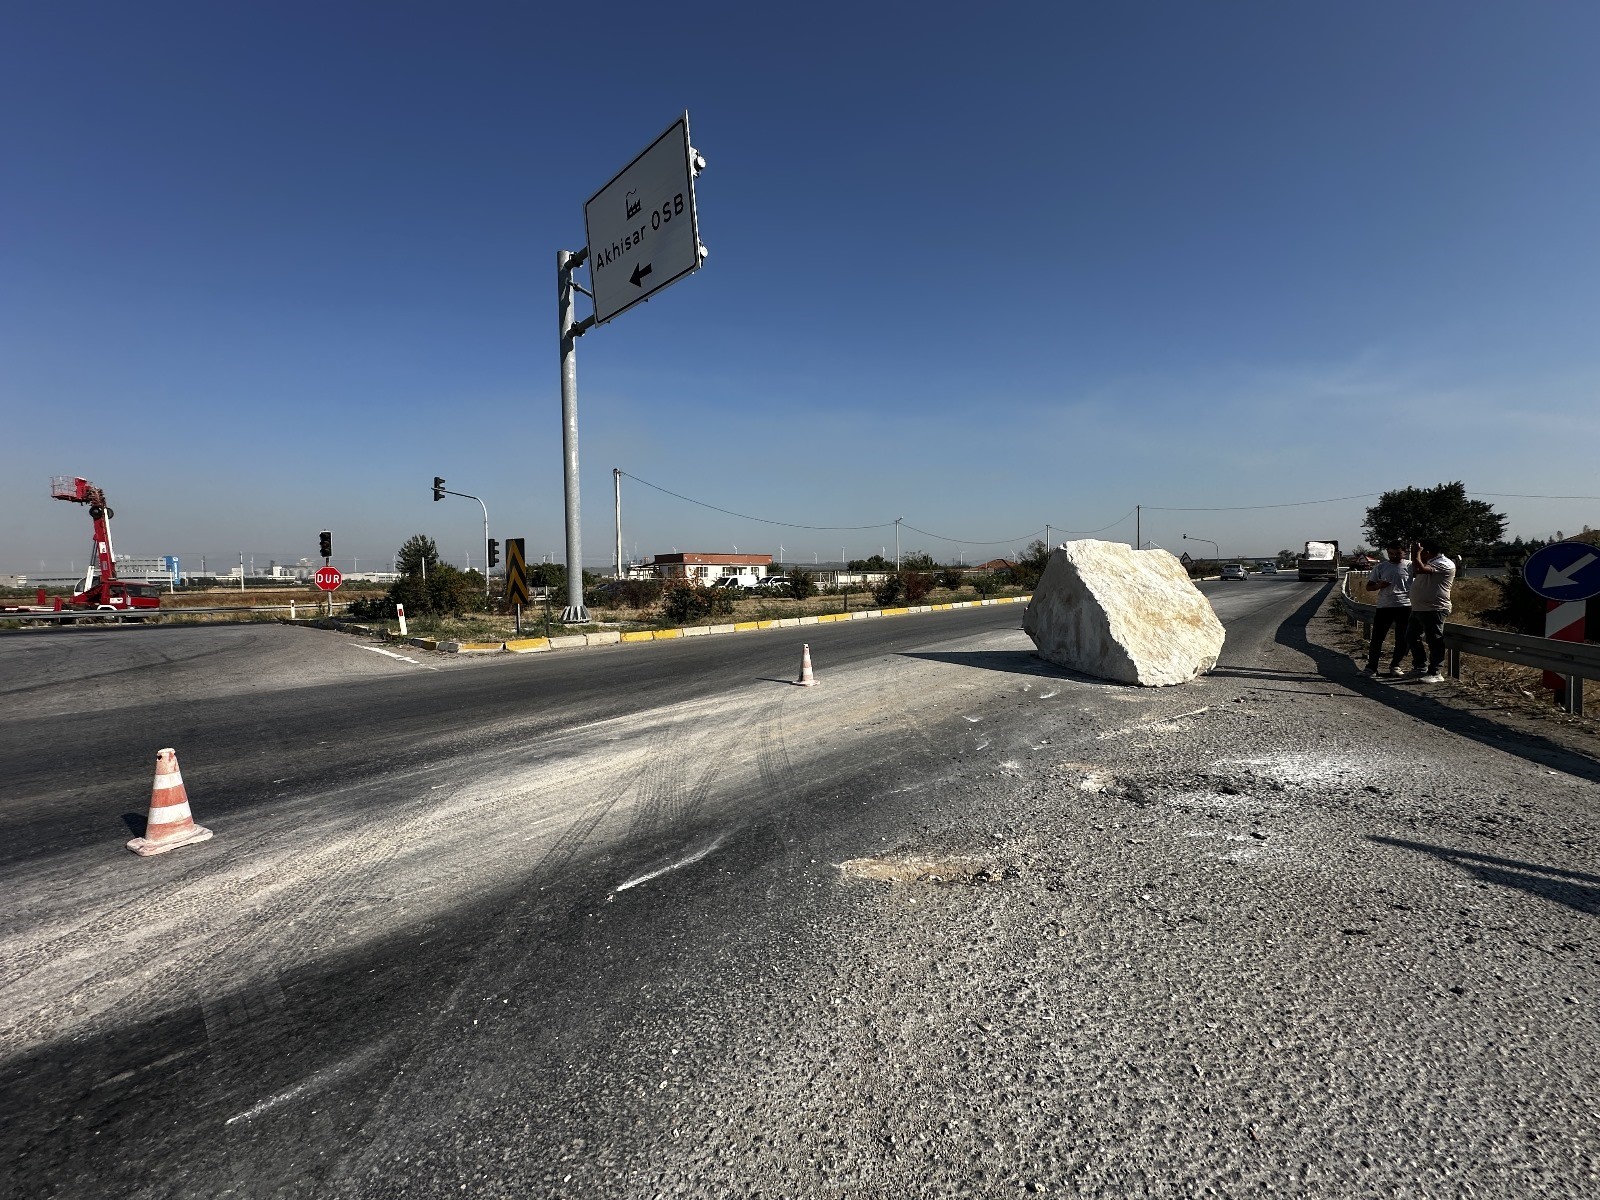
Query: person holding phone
[[1432, 573]]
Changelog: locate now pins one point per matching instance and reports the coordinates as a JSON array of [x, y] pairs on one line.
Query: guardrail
[[314, 609], [1573, 661]]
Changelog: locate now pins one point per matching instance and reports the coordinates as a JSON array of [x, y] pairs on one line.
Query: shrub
[[889, 592], [682, 601], [799, 584], [985, 585], [917, 585], [950, 577], [446, 592], [626, 593], [371, 608]]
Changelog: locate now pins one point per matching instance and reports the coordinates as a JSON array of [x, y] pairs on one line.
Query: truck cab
[[119, 595]]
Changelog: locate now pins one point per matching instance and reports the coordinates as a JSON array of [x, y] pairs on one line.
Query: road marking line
[[401, 657]]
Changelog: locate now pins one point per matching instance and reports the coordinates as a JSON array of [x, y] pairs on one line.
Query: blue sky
[[269, 268]]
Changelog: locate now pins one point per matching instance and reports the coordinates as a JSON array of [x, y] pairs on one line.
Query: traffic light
[[327, 543], [494, 552], [438, 488]]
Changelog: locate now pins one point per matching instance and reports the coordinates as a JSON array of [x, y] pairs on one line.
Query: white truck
[[1320, 561]]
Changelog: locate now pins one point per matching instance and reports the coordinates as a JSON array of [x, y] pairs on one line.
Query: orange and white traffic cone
[[170, 825], [807, 679]]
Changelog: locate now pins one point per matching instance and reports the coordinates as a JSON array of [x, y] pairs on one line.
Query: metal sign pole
[[566, 263]]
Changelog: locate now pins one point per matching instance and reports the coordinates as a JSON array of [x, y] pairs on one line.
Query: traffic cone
[[170, 824], [807, 679]]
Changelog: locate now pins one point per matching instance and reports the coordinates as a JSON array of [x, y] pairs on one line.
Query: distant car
[[1233, 571], [1268, 569]]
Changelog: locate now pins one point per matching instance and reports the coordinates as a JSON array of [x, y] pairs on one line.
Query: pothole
[[946, 869]]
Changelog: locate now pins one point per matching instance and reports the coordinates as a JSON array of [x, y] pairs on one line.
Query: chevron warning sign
[[516, 572]]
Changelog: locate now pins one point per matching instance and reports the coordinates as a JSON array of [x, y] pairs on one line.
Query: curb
[[574, 641]]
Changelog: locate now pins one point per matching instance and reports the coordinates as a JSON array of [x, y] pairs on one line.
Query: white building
[[748, 569]]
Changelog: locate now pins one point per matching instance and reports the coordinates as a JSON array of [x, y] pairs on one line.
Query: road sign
[[642, 229], [516, 572], [328, 578], [1564, 571], [1185, 559]]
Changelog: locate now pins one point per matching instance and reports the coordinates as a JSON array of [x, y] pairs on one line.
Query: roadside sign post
[[328, 579], [1566, 574], [643, 234], [516, 577]]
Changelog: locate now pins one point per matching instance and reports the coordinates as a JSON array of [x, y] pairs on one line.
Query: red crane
[[102, 589]]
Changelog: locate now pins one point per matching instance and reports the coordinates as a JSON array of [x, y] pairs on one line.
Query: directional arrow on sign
[[1564, 578], [638, 274], [1564, 571]]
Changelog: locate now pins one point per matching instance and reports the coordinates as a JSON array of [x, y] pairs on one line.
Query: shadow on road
[[1011, 662], [1549, 883], [1343, 670]]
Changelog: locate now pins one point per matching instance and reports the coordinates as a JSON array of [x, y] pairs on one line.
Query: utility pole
[[241, 570], [1047, 545], [897, 521], [1138, 526], [616, 480]]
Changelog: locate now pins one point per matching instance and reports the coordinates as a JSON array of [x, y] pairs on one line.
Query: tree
[[418, 550], [918, 561], [876, 563], [1441, 513], [1030, 564], [1287, 558]]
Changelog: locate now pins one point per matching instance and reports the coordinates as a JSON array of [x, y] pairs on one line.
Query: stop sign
[[328, 578]]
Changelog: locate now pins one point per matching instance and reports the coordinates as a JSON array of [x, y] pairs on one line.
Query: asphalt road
[[615, 923]]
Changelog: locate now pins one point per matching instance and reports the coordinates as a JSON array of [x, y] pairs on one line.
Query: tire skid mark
[[503, 953], [302, 901]]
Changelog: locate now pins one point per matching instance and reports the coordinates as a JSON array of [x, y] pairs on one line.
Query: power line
[[1102, 528], [1011, 541], [746, 516], [1518, 496], [1254, 507]]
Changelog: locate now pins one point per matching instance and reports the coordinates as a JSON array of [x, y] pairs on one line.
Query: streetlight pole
[[1214, 548], [439, 493]]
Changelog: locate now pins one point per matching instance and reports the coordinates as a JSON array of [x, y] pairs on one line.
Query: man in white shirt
[[1431, 576], [1391, 580]]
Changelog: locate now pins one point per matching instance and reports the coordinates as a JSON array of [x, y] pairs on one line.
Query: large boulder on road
[[1131, 616]]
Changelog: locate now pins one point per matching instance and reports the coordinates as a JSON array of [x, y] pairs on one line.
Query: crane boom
[[105, 590]]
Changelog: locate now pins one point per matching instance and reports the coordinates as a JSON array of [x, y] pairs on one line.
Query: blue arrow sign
[[1564, 571]]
